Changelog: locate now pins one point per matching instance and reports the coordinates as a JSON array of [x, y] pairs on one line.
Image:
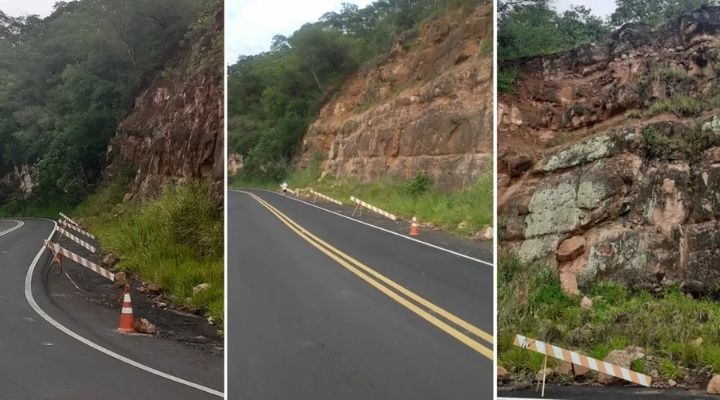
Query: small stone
[[565, 368], [571, 249], [201, 287], [486, 233], [568, 283], [586, 303], [151, 288], [672, 383], [142, 325], [714, 385], [120, 279], [579, 371], [539, 375], [501, 373], [110, 259], [161, 304]]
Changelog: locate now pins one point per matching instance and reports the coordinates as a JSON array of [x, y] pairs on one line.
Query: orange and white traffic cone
[[127, 321], [414, 228]]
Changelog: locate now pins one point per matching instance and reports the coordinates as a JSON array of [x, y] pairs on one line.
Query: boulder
[[120, 279], [547, 372], [713, 386], [501, 373], [622, 358], [571, 248], [586, 303], [200, 288], [142, 325]]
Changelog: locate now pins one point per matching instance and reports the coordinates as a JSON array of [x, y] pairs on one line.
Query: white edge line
[[380, 228], [14, 228], [31, 300]]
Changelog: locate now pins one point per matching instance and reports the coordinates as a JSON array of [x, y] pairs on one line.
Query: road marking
[[31, 300], [356, 266], [14, 228], [434, 246]]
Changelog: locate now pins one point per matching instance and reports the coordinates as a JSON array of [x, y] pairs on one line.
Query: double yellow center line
[[449, 323]]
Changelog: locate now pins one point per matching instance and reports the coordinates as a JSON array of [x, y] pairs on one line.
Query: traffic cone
[[414, 229], [127, 321]]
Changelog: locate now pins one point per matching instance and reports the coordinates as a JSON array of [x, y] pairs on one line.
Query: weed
[[530, 302], [175, 241]]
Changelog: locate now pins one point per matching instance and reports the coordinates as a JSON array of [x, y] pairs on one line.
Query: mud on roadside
[[173, 323]]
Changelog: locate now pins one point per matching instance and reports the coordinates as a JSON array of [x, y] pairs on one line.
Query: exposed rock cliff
[[610, 158], [174, 133], [426, 107]]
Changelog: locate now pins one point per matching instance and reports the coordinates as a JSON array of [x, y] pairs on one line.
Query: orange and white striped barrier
[[76, 229], [72, 221], [57, 249], [77, 240], [583, 360], [127, 320], [370, 207], [324, 197]]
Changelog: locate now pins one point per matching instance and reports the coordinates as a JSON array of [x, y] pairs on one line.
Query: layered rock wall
[[609, 161], [174, 133], [426, 107]]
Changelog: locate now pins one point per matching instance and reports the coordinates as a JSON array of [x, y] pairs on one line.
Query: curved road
[[41, 362], [322, 307]]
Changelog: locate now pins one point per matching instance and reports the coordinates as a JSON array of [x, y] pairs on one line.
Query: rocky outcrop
[[598, 180], [174, 133], [18, 184], [426, 107]]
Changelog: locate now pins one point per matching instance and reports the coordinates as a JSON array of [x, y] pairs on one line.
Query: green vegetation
[[66, 80], [533, 27], [464, 212], [653, 12], [668, 326], [174, 241], [273, 96], [681, 105]]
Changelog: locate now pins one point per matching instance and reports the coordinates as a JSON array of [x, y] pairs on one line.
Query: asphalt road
[[307, 322], [609, 392], [38, 361]]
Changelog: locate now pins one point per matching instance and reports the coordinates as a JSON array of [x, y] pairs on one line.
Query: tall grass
[[464, 212], [175, 241], [531, 302]]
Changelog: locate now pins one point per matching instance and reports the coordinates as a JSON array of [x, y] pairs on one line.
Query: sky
[[251, 24], [599, 7], [22, 8]]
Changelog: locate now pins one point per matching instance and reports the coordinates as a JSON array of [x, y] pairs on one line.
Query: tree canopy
[[66, 80]]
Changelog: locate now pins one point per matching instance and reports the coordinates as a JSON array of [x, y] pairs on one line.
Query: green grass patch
[[531, 302], [681, 105], [464, 212], [175, 241]]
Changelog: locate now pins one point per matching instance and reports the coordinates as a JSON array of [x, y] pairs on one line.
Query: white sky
[[251, 24], [599, 7], [16, 8]]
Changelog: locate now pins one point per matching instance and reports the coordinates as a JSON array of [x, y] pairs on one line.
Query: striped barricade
[[583, 360], [324, 197], [57, 249], [77, 240], [76, 229], [370, 207], [72, 221]]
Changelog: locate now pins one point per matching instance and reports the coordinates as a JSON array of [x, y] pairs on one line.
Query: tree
[[653, 12]]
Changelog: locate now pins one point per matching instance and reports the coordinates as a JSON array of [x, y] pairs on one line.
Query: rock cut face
[[175, 132], [426, 107], [607, 172]]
